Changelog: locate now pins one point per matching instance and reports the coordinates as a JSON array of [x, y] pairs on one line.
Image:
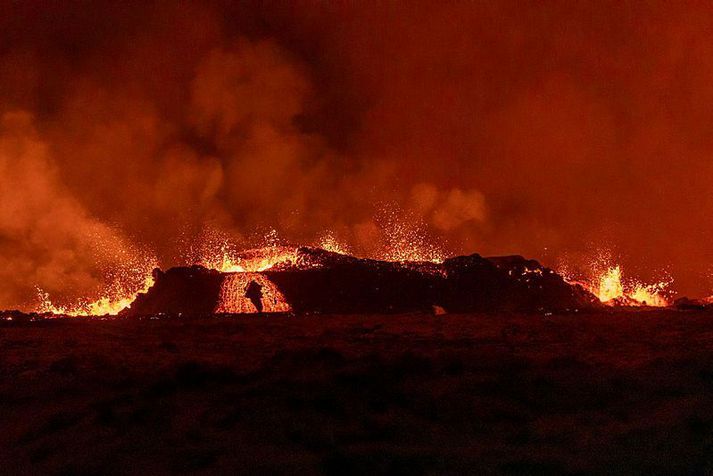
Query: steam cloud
[[505, 128]]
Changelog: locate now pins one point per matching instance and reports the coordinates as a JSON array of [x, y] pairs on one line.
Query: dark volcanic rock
[[324, 282], [687, 304], [510, 283], [190, 290], [361, 287]]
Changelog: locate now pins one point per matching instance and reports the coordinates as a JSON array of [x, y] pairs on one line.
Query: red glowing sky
[[548, 129]]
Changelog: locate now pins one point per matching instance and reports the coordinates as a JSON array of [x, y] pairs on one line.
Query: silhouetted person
[[253, 291]]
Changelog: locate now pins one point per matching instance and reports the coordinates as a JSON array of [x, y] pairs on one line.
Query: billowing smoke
[[546, 130], [49, 240]]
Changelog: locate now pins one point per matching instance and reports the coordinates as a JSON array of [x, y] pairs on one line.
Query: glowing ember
[[222, 261], [411, 249], [116, 300], [252, 261], [606, 280], [329, 243], [123, 284], [271, 239], [610, 287], [216, 251], [236, 296], [266, 258], [650, 294], [406, 240]]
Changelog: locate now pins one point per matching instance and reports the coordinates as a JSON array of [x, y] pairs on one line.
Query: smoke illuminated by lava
[[496, 127]]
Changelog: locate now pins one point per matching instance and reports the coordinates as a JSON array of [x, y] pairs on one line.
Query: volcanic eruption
[[309, 280], [329, 237], [283, 279], [326, 129]]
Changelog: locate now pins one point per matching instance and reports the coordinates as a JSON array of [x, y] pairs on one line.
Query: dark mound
[[188, 290], [324, 282]]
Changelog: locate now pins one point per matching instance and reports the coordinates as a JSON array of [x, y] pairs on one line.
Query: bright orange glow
[[650, 294], [610, 287], [406, 240], [329, 243], [404, 243], [218, 252], [250, 261], [607, 281], [117, 298], [233, 297], [221, 257], [403, 251]]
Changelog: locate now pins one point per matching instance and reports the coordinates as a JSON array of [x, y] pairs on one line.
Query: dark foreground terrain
[[622, 392]]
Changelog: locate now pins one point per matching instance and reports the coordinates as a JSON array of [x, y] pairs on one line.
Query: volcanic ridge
[[313, 280]]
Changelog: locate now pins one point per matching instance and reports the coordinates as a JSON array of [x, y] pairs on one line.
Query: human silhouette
[[253, 291]]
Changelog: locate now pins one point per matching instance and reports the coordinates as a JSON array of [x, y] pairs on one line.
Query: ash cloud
[[506, 128]]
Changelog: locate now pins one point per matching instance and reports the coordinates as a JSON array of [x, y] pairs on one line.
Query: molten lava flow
[[234, 295], [251, 261], [266, 258], [223, 262], [216, 251]]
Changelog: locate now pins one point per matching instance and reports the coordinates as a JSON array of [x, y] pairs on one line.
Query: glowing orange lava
[[250, 261], [610, 288], [329, 243], [233, 297], [117, 298], [406, 240], [218, 252]]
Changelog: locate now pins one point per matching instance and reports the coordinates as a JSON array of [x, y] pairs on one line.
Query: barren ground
[[627, 392]]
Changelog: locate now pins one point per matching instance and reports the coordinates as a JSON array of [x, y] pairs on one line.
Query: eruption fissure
[[611, 287], [111, 304], [245, 276]]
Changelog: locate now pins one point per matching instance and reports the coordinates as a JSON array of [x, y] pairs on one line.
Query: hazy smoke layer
[[545, 129]]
